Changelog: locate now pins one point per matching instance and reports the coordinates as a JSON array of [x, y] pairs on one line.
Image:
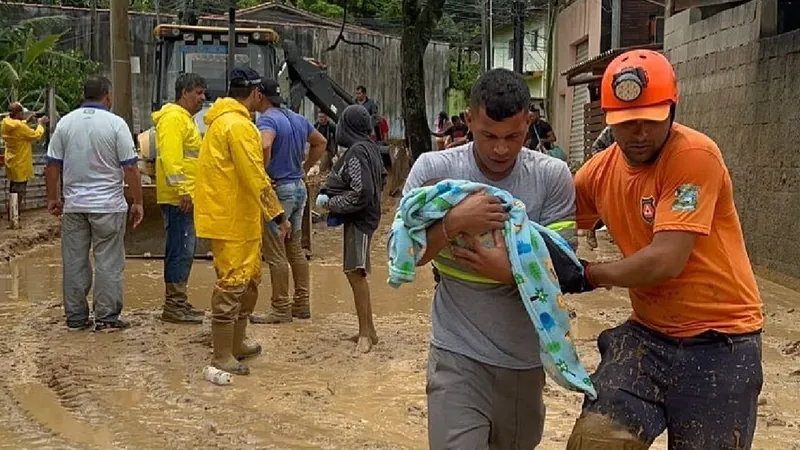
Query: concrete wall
[[742, 90], [349, 65], [578, 22]]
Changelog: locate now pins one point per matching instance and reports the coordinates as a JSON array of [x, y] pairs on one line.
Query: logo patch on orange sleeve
[[686, 197], [648, 209]]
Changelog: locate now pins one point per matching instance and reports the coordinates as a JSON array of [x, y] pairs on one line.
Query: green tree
[[30, 63]]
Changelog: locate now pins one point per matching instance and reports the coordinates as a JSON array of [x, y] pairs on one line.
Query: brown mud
[[143, 388], [36, 227]]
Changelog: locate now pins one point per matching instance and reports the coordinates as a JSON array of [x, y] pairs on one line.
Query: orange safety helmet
[[638, 85]]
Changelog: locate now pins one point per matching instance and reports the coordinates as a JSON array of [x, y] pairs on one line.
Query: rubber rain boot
[[177, 309], [279, 312], [240, 349], [222, 335], [301, 306]]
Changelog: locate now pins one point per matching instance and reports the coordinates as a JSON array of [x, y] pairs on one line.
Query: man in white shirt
[[94, 150]]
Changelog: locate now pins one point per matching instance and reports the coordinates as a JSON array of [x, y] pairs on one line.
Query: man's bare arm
[[134, 182], [318, 144], [52, 173], [662, 260]]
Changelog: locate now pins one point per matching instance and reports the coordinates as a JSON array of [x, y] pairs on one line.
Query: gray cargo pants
[[475, 406], [104, 233]]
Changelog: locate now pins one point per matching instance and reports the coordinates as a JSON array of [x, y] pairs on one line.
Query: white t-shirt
[[93, 145]]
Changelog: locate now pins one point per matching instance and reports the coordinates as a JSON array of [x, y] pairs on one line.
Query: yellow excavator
[[204, 50]]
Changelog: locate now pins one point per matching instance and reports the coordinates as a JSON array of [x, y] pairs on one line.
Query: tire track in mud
[[17, 346], [91, 384]]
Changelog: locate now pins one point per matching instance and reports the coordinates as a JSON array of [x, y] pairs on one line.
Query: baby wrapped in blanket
[[539, 258]]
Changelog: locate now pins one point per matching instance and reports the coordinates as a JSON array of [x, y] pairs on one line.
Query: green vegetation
[[30, 62]]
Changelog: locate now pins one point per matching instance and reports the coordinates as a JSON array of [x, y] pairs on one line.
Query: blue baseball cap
[[244, 77]]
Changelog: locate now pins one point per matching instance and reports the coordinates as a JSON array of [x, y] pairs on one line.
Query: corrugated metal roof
[[605, 58]]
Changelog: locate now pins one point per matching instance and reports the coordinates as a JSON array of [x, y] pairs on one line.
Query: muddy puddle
[[144, 389]]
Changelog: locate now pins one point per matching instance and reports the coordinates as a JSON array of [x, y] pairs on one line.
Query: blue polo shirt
[[291, 135]]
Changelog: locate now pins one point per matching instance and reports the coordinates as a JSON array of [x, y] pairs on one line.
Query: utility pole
[[519, 36], [616, 23], [490, 24], [95, 42], [484, 37], [231, 41], [121, 61]]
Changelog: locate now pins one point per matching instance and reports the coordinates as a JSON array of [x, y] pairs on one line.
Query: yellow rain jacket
[[178, 142], [18, 137], [233, 194]]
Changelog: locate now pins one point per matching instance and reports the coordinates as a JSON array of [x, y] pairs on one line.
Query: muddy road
[[143, 388]]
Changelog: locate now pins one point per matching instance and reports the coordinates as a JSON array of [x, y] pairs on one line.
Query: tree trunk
[[415, 116], [419, 21]]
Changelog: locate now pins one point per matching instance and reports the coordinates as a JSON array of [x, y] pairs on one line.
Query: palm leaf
[[38, 48], [8, 74]]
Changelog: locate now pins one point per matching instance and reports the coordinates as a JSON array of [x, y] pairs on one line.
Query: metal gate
[[580, 96]]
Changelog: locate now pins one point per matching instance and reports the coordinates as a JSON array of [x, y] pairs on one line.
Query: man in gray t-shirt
[[485, 378], [92, 149]]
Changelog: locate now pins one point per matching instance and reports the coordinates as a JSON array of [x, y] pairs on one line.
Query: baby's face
[[486, 239]]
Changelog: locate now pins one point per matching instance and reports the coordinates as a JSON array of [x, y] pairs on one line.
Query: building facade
[[585, 32], [534, 51]]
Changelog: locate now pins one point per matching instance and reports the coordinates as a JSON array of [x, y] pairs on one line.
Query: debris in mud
[[774, 421], [792, 348]]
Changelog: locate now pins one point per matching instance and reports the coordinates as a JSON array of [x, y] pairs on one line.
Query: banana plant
[[22, 46]]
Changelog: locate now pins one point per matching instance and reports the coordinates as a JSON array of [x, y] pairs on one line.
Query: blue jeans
[[293, 197], [703, 390], [180, 244]]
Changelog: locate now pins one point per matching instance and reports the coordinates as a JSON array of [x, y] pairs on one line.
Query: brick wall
[[743, 92], [635, 21]]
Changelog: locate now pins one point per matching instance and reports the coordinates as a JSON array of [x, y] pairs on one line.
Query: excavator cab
[[202, 50]]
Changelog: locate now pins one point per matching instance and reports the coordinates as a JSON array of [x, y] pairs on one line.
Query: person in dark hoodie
[[352, 195]]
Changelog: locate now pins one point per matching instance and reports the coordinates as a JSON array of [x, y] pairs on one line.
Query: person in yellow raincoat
[[178, 142], [19, 137], [233, 197]]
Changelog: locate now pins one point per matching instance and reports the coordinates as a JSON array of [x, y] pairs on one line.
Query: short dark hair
[[188, 82], [241, 92], [361, 88], [455, 118], [502, 93], [95, 88]]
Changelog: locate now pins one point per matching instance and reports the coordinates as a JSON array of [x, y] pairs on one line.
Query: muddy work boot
[[176, 307], [240, 349], [222, 336], [279, 312]]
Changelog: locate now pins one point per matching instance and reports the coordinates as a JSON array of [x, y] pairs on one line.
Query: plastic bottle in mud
[[216, 376]]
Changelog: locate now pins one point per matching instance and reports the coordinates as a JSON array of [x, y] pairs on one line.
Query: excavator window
[[209, 62]]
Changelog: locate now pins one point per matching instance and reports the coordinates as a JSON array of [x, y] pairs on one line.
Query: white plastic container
[[216, 376]]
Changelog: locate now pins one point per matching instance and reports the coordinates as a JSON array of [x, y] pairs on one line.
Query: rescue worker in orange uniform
[[233, 196], [19, 138], [689, 359]]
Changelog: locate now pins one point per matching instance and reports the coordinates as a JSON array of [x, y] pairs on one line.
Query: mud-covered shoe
[[240, 349], [196, 312], [301, 313], [177, 313], [272, 318], [109, 327], [80, 326]]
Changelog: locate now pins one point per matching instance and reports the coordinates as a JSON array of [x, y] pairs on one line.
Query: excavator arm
[[308, 79]]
